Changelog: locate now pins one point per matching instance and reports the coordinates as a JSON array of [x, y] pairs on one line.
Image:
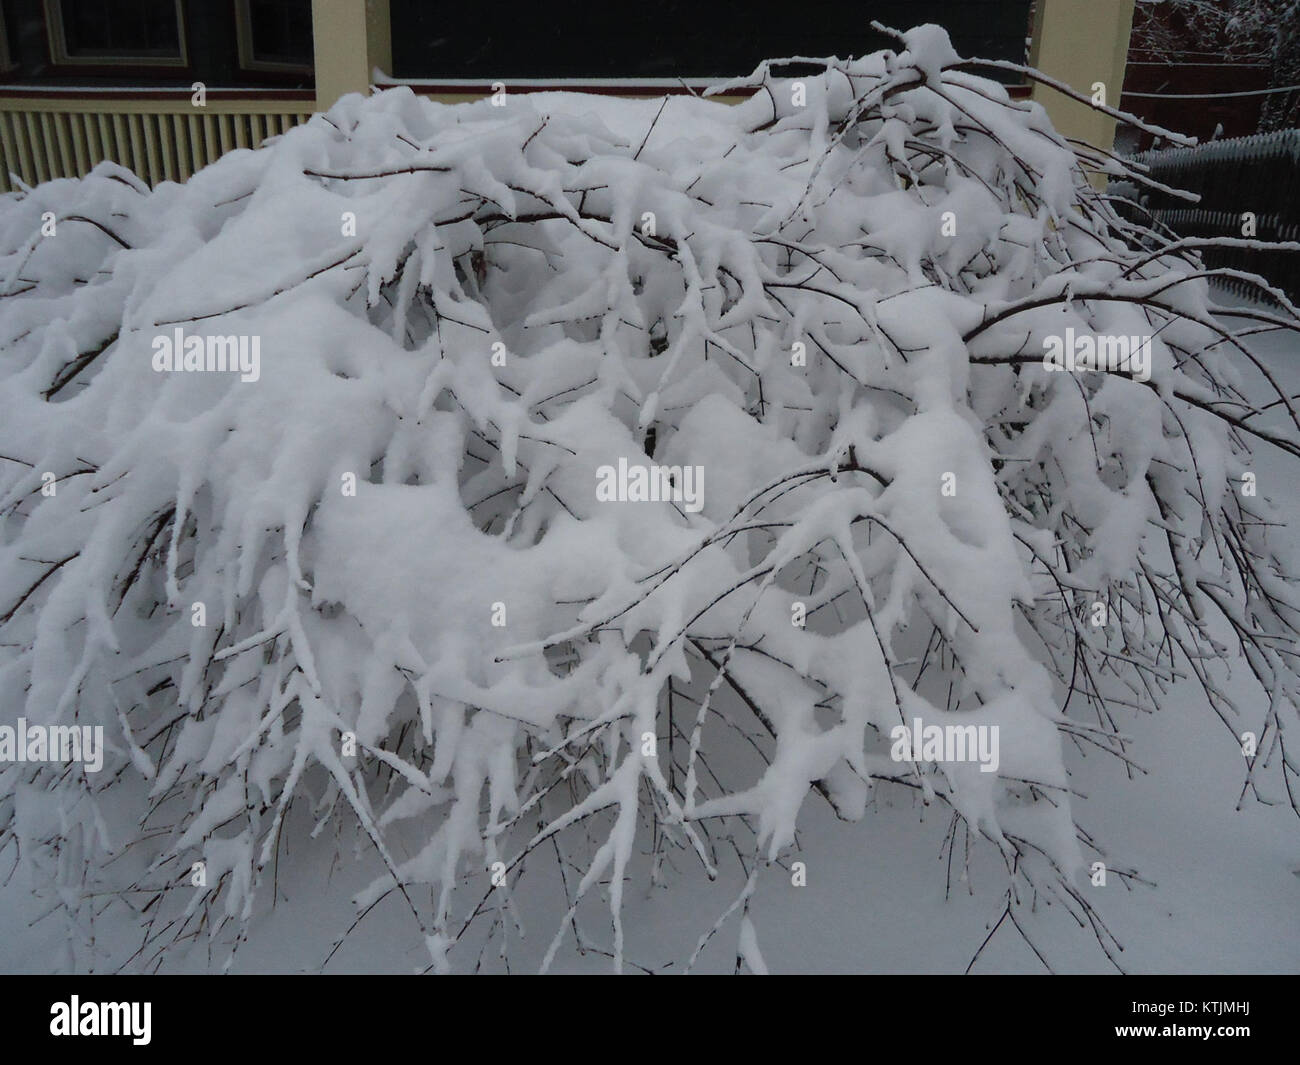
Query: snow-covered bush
[[830, 304]]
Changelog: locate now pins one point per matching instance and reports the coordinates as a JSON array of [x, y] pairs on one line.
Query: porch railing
[[160, 135]]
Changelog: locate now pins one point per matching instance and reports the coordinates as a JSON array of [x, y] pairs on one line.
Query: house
[[165, 86]]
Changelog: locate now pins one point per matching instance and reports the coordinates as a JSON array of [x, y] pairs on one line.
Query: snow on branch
[[592, 484]]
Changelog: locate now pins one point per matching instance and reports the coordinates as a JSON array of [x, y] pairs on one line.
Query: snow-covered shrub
[[835, 307]]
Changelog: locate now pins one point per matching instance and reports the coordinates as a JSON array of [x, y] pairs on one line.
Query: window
[[5, 61], [274, 34], [129, 32]]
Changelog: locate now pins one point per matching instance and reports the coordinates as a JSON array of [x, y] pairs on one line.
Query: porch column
[[351, 38], [1081, 42]]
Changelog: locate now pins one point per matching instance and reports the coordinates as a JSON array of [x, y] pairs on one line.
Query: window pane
[[281, 31], [120, 28]]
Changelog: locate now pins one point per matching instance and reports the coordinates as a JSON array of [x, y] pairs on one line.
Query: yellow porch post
[[1081, 43], [351, 38]]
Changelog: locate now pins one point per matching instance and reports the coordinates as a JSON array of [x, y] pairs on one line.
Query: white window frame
[[59, 45], [247, 57]]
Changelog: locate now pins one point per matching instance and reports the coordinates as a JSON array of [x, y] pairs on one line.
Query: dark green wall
[[687, 38]]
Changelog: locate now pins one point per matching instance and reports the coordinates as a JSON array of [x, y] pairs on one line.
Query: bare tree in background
[[1267, 31]]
